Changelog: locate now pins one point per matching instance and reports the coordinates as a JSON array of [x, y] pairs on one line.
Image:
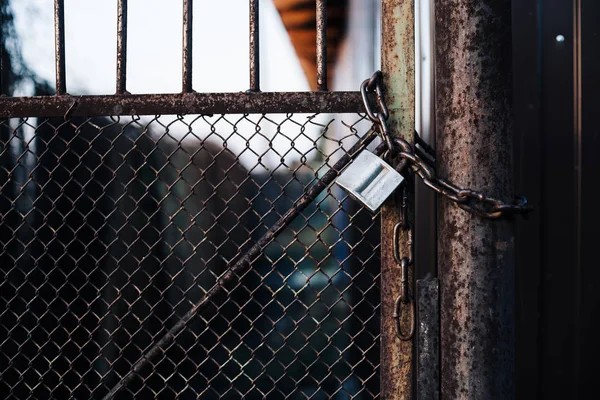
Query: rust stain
[[397, 58], [476, 256], [181, 103]]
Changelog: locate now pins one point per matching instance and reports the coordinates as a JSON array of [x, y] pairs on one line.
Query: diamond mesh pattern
[[112, 228]]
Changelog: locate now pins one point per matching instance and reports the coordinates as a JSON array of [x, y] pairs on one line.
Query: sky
[[154, 45]]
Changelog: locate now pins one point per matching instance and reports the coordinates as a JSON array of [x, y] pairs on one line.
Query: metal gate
[[121, 216]]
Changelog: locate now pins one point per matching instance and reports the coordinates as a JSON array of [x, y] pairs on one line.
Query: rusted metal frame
[[59, 46], [121, 47], [398, 67], [186, 76], [322, 44], [474, 146], [254, 47], [232, 275], [182, 103]]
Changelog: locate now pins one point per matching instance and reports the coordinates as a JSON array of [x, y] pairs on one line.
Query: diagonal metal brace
[[244, 264]]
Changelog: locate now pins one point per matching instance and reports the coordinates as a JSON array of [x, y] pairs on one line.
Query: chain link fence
[[114, 227]]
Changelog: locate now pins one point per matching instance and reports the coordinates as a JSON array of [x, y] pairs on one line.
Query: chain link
[[404, 299], [373, 85], [422, 162]]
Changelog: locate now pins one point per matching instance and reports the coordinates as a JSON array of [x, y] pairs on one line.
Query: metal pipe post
[[397, 65], [474, 148]]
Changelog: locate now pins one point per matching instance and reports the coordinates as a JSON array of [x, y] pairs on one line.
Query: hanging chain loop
[[421, 160], [404, 299]]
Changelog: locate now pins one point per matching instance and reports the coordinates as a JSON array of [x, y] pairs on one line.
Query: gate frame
[[398, 67]]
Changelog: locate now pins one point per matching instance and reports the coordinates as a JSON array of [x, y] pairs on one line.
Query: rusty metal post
[[475, 255], [397, 65]]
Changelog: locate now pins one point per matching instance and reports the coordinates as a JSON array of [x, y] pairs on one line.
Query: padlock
[[370, 180]]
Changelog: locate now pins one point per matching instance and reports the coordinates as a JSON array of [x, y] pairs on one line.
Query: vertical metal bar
[[4, 74], [187, 46], [428, 339], [322, 44], [397, 64], [474, 147], [254, 47], [121, 46], [59, 46]]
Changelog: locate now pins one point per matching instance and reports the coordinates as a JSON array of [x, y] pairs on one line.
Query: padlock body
[[369, 180]]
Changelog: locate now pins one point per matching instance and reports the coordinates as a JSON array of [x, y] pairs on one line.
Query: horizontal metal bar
[[182, 103]]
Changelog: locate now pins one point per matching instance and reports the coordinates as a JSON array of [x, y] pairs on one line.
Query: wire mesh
[[112, 228]]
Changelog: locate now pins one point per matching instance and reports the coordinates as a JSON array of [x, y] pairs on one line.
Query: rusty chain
[[404, 298], [421, 160]]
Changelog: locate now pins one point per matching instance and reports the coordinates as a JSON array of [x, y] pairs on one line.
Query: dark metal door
[[556, 101]]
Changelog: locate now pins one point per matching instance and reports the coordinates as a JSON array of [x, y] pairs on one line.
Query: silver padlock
[[370, 180]]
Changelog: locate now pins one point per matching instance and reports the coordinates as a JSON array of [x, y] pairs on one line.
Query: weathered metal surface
[[475, 255], [428, 339], [186, 84], [254, 47], [322, 44], [397, 62], [185, 103], [121, 46], [59, 46]]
